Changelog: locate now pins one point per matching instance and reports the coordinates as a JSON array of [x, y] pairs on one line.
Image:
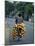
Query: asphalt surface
[[27, 39]]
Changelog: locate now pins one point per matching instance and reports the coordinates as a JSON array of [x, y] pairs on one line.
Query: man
[[19, 19]]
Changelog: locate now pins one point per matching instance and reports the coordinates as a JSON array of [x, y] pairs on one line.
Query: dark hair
[[19, 15]]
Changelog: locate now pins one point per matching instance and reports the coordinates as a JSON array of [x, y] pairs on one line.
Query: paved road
[[27, 39]]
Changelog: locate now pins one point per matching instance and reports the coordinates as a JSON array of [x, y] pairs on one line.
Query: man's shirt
[[19, 19]]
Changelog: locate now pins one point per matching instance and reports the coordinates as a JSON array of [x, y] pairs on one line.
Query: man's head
[[19, 15]]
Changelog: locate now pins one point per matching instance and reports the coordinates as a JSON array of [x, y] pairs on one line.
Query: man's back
[[19, 19]]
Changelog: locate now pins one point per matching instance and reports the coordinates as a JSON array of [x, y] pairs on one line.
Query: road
[[27, 39]]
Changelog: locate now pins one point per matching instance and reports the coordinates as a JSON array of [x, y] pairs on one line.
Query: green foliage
[[23, 7]]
